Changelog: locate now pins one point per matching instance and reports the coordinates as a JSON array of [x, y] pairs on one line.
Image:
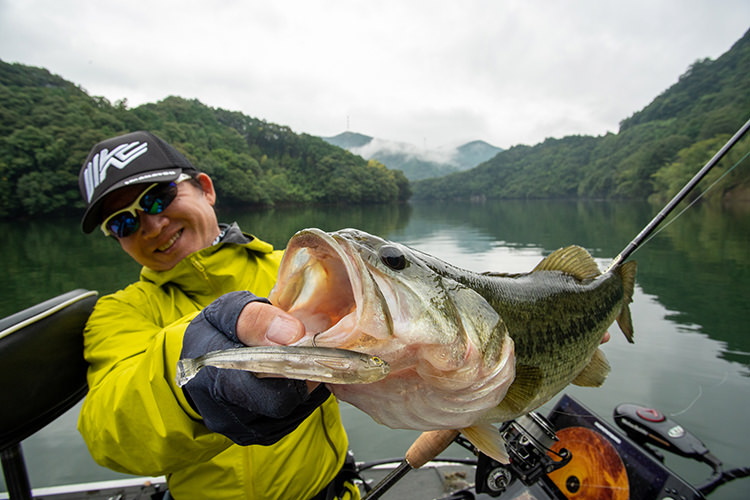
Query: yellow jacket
[[136, 420]]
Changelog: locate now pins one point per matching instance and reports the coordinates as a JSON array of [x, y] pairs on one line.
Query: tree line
[[48, 125]]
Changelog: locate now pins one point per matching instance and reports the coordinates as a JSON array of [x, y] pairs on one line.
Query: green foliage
[[652, 153], [669, 179], [48, 125]]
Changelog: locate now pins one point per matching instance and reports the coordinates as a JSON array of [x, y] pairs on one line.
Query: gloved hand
[[246, 409]]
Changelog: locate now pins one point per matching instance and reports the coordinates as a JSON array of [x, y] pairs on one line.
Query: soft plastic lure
[[318, 364]]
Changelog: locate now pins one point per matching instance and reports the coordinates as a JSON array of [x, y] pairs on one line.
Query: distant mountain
[[473, 153], [349, 140], [416, 163]]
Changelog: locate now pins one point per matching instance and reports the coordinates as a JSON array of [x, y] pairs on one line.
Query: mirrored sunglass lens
[[123, 224], [155, 201]]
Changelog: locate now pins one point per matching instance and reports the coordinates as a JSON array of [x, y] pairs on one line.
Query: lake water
[[691, 358]]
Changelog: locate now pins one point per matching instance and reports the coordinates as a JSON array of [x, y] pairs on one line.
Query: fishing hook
[[314, 344]]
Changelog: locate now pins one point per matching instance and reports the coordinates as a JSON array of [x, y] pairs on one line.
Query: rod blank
[[659, 218]]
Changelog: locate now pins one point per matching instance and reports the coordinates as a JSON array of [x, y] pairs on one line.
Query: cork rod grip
[[429, 445]]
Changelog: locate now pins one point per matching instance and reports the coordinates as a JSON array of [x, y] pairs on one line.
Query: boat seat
[[42, 374]]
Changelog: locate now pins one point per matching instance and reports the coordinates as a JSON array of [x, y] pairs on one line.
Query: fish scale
[[556, 331]]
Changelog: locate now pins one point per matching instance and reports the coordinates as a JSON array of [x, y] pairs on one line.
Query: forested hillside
[[48, 125], [654, 153]]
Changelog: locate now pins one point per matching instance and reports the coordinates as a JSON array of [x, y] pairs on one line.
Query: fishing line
[[700, 393], [696, 200], [675, 414], [695, 400]]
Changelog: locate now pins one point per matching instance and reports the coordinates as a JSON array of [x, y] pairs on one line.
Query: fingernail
[[282, 330]]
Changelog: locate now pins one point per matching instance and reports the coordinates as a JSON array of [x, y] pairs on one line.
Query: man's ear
[[207, 186]]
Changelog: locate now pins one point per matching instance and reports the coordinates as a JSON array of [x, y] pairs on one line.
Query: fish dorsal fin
[[488, 440], [522, 391], [572, 260], [595, 372]]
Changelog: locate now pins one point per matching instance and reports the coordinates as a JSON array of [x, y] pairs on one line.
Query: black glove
[[236, 403]]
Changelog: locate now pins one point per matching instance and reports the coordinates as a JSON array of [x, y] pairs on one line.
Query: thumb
[[265, 324]]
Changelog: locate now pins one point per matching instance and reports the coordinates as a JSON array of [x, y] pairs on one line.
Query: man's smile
[[166, 246]]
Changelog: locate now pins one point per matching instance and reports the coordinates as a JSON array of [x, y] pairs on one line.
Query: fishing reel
[[528, 440]]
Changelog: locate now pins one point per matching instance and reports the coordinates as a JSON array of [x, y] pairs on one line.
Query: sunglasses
[[153, 200]]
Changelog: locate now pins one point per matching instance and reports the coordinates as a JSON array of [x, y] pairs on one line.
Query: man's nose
[[152, 225]]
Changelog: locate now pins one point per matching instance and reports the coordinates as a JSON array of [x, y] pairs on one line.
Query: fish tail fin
[[626, 272], [186, 370], [488, 440]]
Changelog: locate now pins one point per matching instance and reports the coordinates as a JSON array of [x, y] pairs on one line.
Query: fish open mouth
[[320, 283], [340, 286]]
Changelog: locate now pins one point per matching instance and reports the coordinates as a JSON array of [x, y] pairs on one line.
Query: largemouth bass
[[464, 349]]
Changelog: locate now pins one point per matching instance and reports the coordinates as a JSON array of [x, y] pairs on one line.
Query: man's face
[[187, 225]]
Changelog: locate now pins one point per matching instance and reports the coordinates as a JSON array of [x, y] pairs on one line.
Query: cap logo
[[120, 157]]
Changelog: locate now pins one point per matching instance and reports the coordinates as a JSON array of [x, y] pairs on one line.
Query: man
[[228, 434]]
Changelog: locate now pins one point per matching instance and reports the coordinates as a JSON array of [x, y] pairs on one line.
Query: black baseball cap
[[135, 158]]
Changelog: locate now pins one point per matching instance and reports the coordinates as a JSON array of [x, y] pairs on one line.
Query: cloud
[[379, 147], [419, 71]]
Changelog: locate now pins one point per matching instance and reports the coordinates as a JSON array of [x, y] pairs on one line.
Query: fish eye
[[392, 257]]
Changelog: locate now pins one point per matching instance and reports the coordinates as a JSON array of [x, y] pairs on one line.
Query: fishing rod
[[431, 443], [427, 446], [659, 218]]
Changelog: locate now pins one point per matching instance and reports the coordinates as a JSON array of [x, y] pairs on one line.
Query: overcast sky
[[430, 72]]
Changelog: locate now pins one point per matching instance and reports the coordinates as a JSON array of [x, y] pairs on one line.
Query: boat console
[[597, 458]]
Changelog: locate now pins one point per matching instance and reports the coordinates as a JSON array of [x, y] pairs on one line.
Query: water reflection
[[691, 355], [697, 267], [276, 226], [46, 258], [598, 226]]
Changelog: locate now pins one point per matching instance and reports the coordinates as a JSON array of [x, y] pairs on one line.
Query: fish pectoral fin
[[572, 260], [522, 391], [595, 372], [487, 439]]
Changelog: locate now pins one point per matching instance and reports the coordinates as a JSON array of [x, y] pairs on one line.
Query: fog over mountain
[[416, 163]]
